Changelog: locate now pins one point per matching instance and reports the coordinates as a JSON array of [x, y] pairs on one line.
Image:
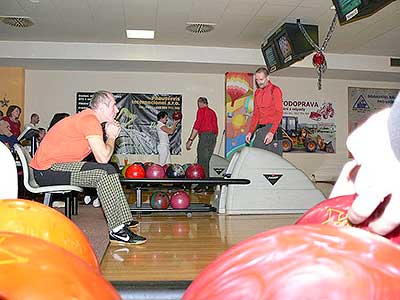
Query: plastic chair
[[71, 204], [8, 174]]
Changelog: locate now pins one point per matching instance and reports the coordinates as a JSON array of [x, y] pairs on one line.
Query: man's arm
[[192, 136], [103, 151]]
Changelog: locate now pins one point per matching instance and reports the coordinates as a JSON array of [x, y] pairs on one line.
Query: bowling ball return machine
[[276, 186]]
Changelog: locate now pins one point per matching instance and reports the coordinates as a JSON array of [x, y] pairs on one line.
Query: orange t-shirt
[[67, 140]]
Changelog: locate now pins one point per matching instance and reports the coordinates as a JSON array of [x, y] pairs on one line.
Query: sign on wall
[[239, 109], [138, 118], [363, 102], [310, 125]]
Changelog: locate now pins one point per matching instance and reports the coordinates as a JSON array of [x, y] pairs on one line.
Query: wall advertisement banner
[[138, 118]]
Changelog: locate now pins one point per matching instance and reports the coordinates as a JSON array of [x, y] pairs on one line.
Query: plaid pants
[[103, 177]]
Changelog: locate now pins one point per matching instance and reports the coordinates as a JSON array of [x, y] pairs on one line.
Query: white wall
[[48, 92]]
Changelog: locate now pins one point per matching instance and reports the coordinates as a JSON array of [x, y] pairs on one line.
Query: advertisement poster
[[238, 108], [363, 102], [309, 125], [138, 118]]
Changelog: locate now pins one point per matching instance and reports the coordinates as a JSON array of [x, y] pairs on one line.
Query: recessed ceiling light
[[34, 1], [140, 34]]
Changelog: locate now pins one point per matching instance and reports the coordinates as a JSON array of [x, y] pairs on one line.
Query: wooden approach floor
[[179, 248]]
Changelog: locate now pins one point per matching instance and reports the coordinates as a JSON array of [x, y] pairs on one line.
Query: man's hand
[[268, 138], [112, 130], [189, 145], [248, 138]]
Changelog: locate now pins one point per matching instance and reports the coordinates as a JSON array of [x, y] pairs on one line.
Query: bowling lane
[[178, 247]]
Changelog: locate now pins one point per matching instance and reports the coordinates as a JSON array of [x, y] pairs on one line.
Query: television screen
[[285, 47], [352, 10], [270, 57]]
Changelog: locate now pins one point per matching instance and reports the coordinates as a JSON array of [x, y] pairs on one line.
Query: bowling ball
[[139, 163], [303, 262], [135, 171], [155, 171], [40, 221], [177, 115], [147, 164], [34, 269], [175, 171], [165, 167], [180, 200], [159, 200], [195, 171], [334, 211], [186, 166]]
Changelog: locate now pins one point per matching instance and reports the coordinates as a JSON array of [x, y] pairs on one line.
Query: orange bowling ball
[[38, 220], [31, 268]]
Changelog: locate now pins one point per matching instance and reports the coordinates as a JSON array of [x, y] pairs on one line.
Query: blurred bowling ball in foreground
[[147, 164], [123, 170], [180, 200], [135, 171], [155, 171], [159, 200], [34, 269], [177, 115], [195, 171], [303, 262], [175, 171], [334, 211], [40, 221]]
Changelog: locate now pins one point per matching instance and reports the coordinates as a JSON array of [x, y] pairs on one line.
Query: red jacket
[[206, 121], [268, 107]]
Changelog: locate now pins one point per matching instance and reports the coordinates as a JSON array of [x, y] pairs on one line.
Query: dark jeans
[[205, 149], [259, 136]]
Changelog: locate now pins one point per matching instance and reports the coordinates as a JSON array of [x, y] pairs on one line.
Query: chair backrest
[[8, 174], [25, 158]]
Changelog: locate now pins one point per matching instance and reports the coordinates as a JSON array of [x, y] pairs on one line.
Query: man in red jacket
[[267, 114], [206, 127]]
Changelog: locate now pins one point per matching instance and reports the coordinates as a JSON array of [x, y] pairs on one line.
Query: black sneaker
[[132, 224], [125, 236]]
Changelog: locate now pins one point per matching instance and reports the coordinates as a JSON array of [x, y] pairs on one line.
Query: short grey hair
[[100, 97]]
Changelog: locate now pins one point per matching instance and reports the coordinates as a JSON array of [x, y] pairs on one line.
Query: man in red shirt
[[267, 114], [206, 127]]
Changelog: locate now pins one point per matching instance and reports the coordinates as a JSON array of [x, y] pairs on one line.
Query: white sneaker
[[87, 200], [96, 202], [58, 204]]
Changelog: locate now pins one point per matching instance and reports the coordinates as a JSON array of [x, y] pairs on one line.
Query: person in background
[[267, 114], [12, 118], [374, 171], [42, 133], [59, 160], [35, 119], [56, 118], [163, 131], [206, 127]]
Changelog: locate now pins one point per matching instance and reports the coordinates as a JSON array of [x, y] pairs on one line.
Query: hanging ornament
[[319, 60]]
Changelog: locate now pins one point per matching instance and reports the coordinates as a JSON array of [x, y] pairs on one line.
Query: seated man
[[59, 161]]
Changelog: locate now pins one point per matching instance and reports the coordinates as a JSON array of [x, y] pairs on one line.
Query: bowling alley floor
[[178, 247]]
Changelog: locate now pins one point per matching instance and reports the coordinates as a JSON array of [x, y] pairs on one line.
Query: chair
[[71, 205], [8, 174]]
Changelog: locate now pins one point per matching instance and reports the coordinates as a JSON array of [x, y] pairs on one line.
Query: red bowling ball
[[180, 200], [334, 211], [155, 172], [195, 171], [300, 262], [135, 171], [177, 115], [159, 200]]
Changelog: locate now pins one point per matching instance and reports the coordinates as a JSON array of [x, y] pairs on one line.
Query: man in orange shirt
[[59, 161], [267, 114], [206, 127]]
